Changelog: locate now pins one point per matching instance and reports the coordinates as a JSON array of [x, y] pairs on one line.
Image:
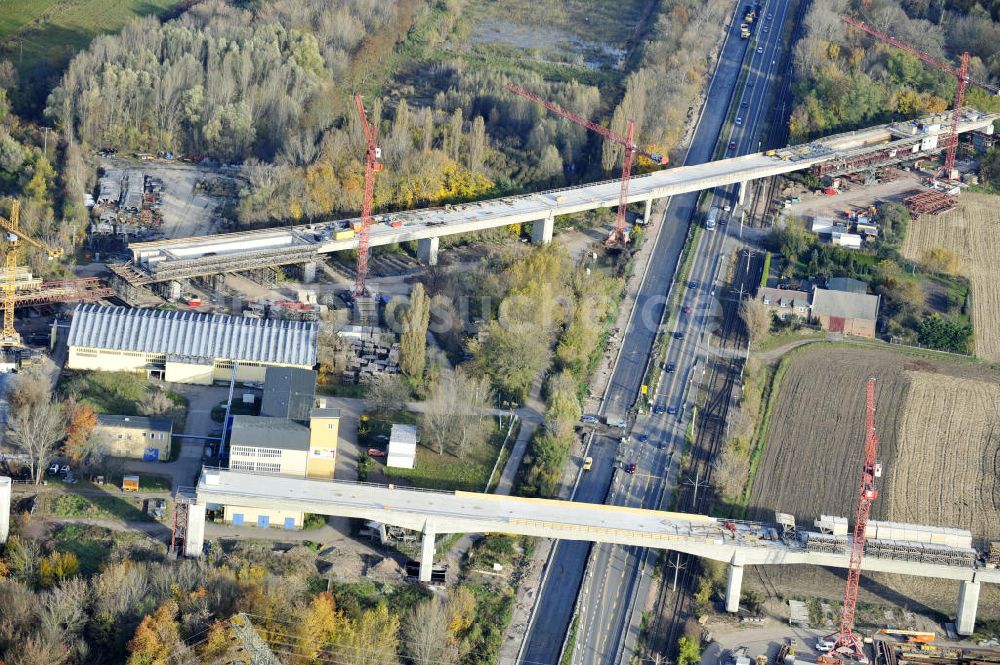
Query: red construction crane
[[619, 236], [373, 155], [846, 642], [961, 74]]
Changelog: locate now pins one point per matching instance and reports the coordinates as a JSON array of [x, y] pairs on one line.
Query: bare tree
[[157, 405], [757, 318], [37, 423], [427, 634], [454, 416], [386, 394]]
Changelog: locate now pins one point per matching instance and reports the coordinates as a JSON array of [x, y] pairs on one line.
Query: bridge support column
[[733, 587], [427, 251], [741, 193], [648, 212], [6, 485], [968, 603], [194, 542], [309, 272], [541, 231], [427, 553]]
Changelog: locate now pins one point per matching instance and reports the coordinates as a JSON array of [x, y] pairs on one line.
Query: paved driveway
[[184, 471]]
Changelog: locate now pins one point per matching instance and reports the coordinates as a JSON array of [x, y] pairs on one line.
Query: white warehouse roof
[[192, 334]]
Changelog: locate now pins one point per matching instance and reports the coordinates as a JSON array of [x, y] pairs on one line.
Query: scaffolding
[[178, 531], [930, 202]]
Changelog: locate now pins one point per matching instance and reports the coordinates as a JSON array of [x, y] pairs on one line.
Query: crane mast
[[961, 74], [373, 164], [14, 236], [846, 641], [618, 237]]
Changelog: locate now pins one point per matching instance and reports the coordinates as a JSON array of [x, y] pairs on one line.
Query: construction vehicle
[[744, 30], [619, 236], [961, 74], [912, 636], [9, 336], [749, 13]]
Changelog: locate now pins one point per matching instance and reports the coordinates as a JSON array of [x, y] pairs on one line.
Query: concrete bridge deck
[[433, 513], [182, 258]]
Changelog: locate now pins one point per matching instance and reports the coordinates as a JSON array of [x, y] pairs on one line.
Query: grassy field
[[448, 472], [972, 233], [936, 425], [108, 507], [57, 28]]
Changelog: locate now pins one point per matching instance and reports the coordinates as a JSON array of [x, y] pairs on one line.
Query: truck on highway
[[712, 218], [745, 30]]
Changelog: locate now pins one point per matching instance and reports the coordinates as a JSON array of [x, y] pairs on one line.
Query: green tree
[[688, 651], [945, 333], [413, 340]]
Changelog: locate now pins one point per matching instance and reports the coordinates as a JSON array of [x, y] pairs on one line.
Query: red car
[[630, 467], [732, 145], [686, 309], [375, 452]]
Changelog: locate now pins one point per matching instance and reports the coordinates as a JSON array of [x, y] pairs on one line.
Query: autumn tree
[[757, 319], [156, 637], [371, 639], [36, 423], [320, 624], [940, 260], [413, 340], [80, 423], [56, 567]]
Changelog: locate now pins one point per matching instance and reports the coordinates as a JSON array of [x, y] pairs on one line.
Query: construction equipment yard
[[937, 423]]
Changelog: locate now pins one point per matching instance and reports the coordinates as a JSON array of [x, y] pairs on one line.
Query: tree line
[[846, 79]]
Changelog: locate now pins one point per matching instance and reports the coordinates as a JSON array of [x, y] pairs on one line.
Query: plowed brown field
[[972, 232], [939, 429]]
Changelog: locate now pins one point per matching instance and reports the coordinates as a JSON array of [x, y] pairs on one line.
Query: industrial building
[[186, 347], [289, 392], [845, 311], [137, 437], [286, 447]]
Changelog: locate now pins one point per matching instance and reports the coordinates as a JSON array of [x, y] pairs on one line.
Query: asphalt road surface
[[613, 575]]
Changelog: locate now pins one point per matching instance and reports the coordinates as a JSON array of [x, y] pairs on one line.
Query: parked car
[[53, 468], [643, 438], [824, 645], [64, 469], [590, 420], [375, 452], [587, 463]]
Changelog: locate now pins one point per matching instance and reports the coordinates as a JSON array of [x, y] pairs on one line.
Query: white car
[[824, 646], [760, 49]]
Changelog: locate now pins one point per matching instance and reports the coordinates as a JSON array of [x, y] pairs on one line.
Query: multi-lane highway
[[615, 575]]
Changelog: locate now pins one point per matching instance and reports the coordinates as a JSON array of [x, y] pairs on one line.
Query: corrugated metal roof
[[176, 333], [845, 304]]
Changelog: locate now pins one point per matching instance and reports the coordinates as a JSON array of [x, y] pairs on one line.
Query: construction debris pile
[[364, 353], [127, 201]]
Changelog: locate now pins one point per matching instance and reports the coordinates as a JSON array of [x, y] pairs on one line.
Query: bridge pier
[[968, 603], [541, 230], [741, 192], [733, 587], [427, 251], [427, 553], [648, 212], [194, 540], [6, 485], [309, 272]]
